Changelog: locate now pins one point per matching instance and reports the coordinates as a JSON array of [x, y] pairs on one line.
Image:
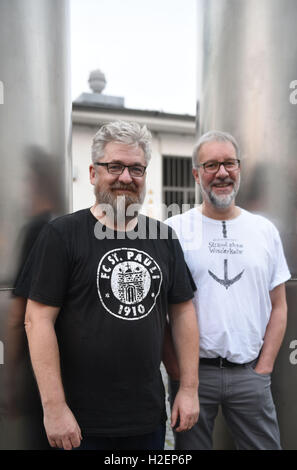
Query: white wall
[[83, 195]]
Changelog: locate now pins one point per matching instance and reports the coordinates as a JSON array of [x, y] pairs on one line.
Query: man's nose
[[125, 177], [222, 172]]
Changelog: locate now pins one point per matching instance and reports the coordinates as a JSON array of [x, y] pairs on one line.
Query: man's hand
[[61, 427], [185, 410], [262, 371]]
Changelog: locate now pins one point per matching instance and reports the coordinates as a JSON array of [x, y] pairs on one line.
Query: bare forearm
[[60, 424], [169, 355], [186, 342], [275, 330], [273, 339], [45, 360]]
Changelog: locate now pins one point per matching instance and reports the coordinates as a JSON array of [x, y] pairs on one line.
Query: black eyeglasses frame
[[107, 165], [199, 165]]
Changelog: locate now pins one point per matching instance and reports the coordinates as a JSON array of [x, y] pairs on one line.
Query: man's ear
[[195, 173], [92, 174]]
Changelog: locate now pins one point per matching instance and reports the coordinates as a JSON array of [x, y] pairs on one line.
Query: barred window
[[178, 181]]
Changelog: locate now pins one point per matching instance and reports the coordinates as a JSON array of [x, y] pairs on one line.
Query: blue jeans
[[151, 441]]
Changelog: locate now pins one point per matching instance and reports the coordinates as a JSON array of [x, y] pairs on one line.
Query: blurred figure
[[21, 407]]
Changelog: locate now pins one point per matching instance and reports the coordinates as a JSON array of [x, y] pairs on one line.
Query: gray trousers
[[247, 406]]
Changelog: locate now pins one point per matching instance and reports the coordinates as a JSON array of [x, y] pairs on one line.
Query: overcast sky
[[146, 49]]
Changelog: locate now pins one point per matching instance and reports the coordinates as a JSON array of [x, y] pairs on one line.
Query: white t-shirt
[[234, 263]]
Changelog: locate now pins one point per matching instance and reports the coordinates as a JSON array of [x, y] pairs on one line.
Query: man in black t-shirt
[[101, 282]]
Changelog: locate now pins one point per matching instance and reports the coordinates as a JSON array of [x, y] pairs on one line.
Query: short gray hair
[[214, 136], [130, 133]]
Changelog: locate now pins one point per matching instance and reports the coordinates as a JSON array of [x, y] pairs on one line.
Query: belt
[[219, 362]]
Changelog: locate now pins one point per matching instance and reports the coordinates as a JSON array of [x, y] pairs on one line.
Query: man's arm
[[169, 358], [275, 330], [185, 339], [60, 424]]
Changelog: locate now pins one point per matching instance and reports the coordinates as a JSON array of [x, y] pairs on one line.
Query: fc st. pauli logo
[[128, 282]]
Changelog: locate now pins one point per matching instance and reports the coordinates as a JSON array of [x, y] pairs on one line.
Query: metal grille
[[178, 181]]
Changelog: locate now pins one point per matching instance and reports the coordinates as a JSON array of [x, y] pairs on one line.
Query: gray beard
[[120, 209], [223, 201]]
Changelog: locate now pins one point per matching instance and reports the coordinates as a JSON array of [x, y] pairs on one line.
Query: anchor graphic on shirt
[[226, 282]]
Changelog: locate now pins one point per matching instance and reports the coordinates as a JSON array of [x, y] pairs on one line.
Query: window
[[178, 181]]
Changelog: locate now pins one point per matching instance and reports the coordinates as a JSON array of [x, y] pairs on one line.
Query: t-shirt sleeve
[[44, 277], [182, 284], [280, 271]]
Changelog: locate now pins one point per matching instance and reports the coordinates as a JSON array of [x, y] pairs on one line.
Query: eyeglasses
[[213, 166], [136, 171]]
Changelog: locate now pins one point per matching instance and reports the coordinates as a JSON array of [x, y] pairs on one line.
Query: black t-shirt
[[113, 295]]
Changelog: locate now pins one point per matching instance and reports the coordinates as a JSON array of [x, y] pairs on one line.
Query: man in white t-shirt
[[237, 262]]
